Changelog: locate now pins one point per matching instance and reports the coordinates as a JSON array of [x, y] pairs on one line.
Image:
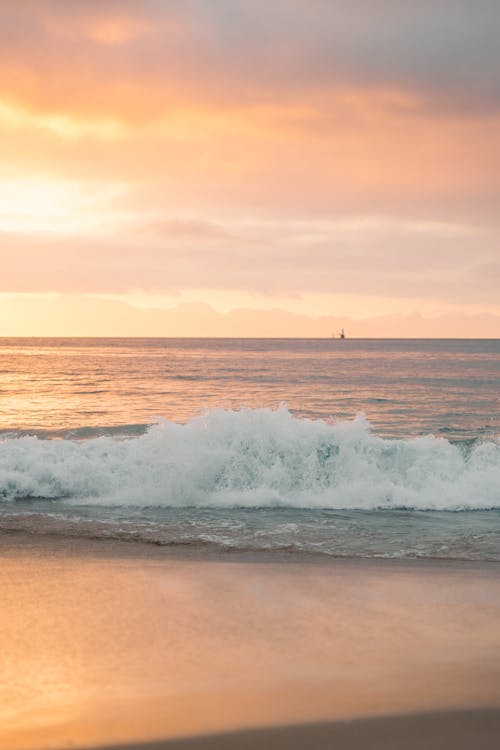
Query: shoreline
[[13, 541]]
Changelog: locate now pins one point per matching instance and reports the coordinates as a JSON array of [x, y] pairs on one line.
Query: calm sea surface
[[355, 447]]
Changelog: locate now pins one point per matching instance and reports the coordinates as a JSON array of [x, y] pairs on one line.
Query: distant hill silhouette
[[79, 315]]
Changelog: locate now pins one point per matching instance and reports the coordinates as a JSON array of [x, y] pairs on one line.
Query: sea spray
[[255, 458]]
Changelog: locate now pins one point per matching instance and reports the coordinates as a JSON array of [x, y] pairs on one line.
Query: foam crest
[[255, 458]]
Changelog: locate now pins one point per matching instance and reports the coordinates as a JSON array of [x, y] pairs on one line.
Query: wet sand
[[115, 644]]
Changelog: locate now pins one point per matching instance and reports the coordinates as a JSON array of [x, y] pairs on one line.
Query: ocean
[[353, 448]]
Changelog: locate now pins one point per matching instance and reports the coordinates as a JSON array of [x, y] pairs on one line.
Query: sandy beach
[[116, 643]]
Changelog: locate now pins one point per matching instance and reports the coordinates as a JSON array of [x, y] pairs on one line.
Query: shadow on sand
[[453, 730]]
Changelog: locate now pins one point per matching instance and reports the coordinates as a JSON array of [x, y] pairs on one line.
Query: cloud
[[298, 163], [429, 261], [285, 148], [291, 109], [186, 229], [140, 60]]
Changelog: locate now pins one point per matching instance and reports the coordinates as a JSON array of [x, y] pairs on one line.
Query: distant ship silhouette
[[341, 335]]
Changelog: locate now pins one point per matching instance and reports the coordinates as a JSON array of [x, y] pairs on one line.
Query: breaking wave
[[255, 458]]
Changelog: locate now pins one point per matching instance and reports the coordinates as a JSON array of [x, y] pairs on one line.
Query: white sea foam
[[255, 457]]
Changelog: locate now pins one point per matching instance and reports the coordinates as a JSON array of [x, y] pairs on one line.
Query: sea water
[[371, 448]]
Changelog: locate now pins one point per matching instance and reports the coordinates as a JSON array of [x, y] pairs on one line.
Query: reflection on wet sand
[[113, 642]]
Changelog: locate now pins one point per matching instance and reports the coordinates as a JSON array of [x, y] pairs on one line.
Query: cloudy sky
[[164, 163]]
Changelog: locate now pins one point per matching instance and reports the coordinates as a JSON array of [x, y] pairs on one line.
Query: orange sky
[[336, 164]]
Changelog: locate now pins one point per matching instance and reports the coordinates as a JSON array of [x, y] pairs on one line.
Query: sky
[[220, 167]]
